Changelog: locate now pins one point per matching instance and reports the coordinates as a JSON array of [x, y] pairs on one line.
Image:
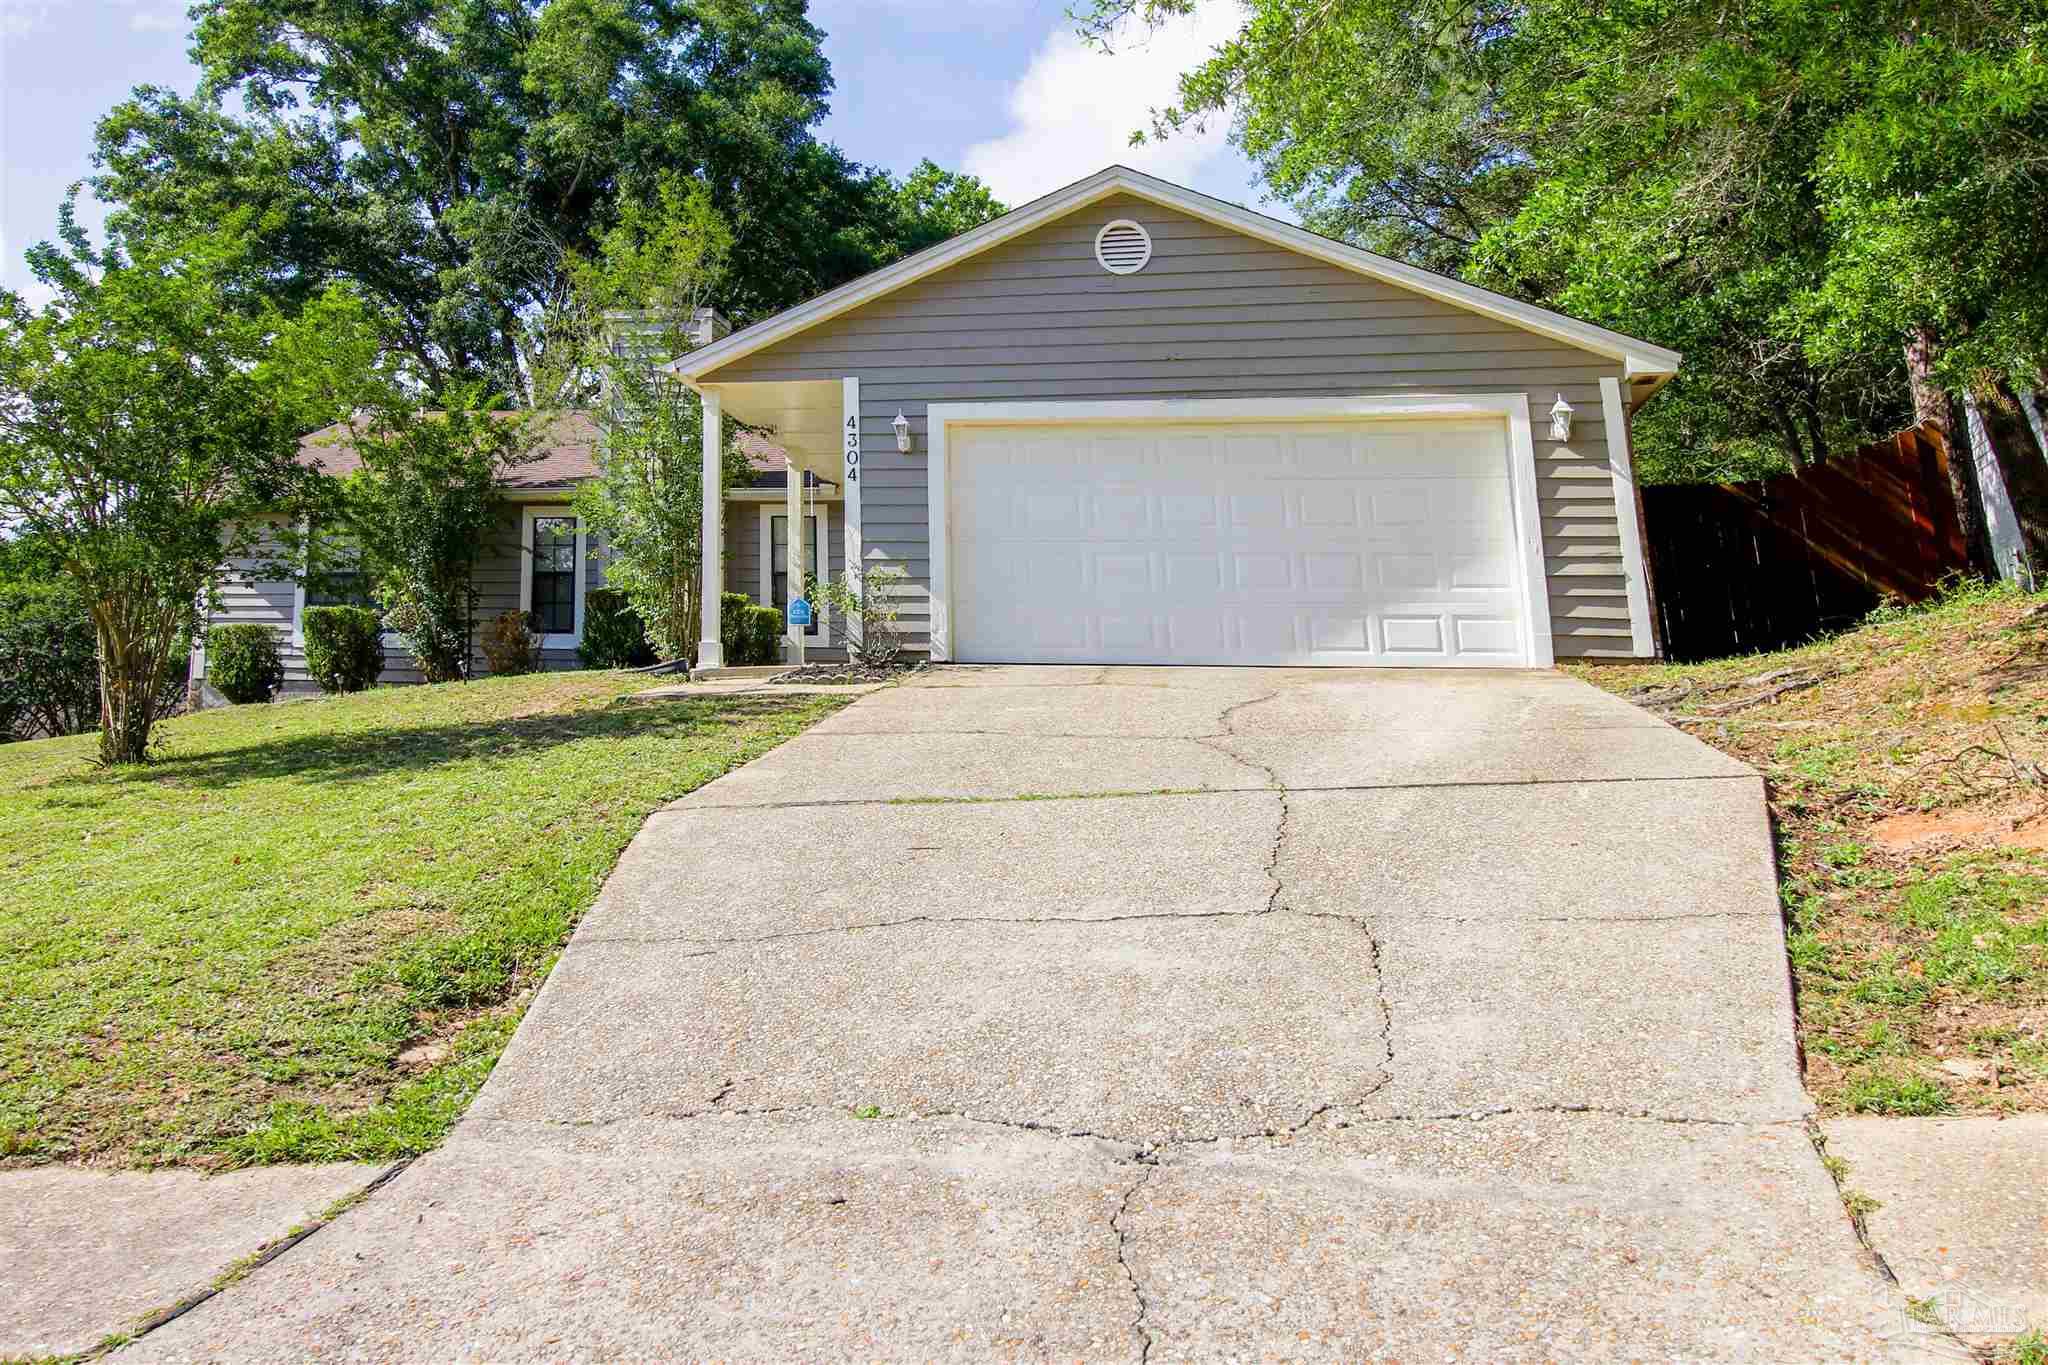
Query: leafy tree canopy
[[149, 415], [451, 157], [1783, 189]]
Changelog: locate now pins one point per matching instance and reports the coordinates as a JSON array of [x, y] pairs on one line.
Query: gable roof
[[567, 453], [1639, 359]]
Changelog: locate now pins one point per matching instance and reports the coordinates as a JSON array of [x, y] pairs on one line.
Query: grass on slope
[[1906, 771], [306, 932]]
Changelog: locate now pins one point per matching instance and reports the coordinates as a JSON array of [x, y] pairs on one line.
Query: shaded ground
[[305, 932], [1099, 1013], [1905, 763]]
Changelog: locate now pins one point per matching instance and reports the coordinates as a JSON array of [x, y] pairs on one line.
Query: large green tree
[[451, 157], [1788, 190], [150, 416]]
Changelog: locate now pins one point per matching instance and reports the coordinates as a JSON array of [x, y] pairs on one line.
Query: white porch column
[[793, 554], [710, 649], [849, 508]]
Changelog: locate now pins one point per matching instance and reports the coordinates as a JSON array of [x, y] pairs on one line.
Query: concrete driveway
[[1036, 1012]]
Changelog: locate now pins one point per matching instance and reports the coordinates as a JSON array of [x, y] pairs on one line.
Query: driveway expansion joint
[[711, 947], [241, 1270], [1570, 1110], [1207, 741], [1405, 917]]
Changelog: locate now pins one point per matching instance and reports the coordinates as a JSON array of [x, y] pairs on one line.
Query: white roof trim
[[1639, 358]]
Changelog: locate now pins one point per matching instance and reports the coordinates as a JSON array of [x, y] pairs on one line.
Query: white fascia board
[[1637, 357]]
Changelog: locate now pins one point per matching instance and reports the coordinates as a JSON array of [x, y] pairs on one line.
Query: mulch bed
[[846, 673]]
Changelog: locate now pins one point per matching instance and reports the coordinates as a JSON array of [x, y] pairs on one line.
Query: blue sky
[[998, 87]]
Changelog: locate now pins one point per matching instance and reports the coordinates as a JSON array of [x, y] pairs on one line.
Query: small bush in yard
[[243, 663], [510, 645], [751, 634], [49, 662], [764, 634], [873, 603], [613, 634], [344, 647]]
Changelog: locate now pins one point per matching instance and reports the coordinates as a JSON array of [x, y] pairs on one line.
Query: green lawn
[[307, 931], [1908, 772]]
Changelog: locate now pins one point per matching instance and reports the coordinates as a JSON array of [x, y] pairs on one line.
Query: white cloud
[[19, 18], [157, 20], [1075, 107]]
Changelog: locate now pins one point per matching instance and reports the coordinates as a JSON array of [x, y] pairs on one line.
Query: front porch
[[752, 543]]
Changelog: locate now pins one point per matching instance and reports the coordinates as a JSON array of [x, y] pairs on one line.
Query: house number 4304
[[853, 449]]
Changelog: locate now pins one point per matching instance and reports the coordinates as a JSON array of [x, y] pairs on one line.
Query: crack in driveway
[[1139, 1323]]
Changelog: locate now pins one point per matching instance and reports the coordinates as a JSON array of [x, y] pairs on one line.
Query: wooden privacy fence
[[1739, 567]]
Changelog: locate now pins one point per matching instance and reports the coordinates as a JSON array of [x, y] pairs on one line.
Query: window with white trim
[[551, 574], [774, 591], [339, 582]]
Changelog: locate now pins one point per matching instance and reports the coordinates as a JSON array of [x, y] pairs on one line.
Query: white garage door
[[1386, 542]]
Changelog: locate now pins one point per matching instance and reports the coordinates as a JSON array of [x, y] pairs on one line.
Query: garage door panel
[[1194, 573], [1048, 574], [1483, 635], [1269, 634], [1483, 568], [1413, 634], [1258, 512], [1340, 571], [1264, 573], [1355, 543], [1331, 631], [1407, 573], [1119, 577], [1121, 512], [1129, 632], [1197, 635], [1180, 513], [1400, 504], [1334, 506], [1043, 512]]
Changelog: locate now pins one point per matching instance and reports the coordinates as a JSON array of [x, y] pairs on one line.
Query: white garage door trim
[[1512, 408]]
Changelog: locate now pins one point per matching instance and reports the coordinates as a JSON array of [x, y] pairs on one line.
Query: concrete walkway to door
[[1086, 1013]]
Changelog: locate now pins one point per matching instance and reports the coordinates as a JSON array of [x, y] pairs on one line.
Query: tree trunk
[[2030, 403], [127, 688], [1932, 405], [1789, 431], [2009, 557]]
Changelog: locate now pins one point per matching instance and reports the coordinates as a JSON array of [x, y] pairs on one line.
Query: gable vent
[[1122, 247]]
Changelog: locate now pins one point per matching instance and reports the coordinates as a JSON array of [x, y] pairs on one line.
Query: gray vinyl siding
[[1215, 314], [743, 551], [245, 596]]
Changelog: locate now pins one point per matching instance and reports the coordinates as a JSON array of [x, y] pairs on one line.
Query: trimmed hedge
[[614, 636], [344, 647], [750, 634], [243, 663]]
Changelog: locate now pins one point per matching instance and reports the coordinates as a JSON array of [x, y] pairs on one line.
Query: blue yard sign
[[799, 612]]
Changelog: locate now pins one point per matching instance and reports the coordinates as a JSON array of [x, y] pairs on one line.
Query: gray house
[[1131, 423], [545, 562]]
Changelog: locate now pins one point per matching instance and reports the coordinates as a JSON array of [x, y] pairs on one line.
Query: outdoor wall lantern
[[902, 425], [1560, 420]]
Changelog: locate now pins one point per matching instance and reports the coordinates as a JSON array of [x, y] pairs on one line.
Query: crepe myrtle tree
[[643, 286], [419, 513], [150, 416]]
